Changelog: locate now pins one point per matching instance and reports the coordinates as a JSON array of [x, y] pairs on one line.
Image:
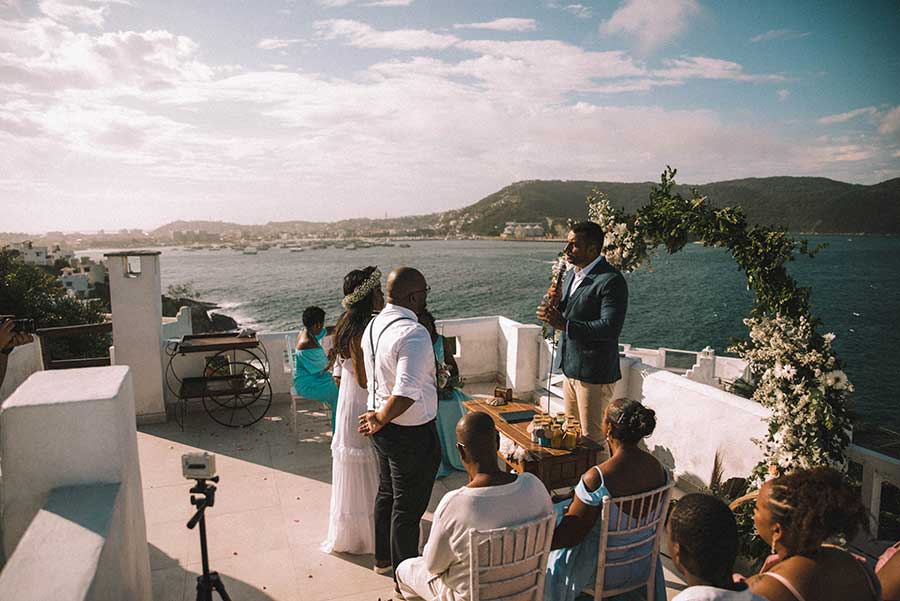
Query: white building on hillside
[[76, 284], [515, 229], [32, 255]]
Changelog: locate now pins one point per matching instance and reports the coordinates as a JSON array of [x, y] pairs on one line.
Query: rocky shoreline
[[203, 316]]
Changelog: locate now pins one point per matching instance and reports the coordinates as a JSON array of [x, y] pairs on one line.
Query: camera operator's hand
[[10, 339]]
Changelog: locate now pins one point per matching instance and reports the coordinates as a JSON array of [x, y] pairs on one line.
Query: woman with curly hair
[[795, 514], [630, 470], [354, 471]]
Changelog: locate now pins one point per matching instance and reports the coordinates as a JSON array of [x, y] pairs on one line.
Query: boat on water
[[249, 250], [296, 250], [403, 245], [263, 247]]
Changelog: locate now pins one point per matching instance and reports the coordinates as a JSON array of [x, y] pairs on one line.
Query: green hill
[[804, 204]]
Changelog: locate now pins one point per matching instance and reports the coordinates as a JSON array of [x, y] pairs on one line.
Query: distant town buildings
[[78, 276], [515, 229]]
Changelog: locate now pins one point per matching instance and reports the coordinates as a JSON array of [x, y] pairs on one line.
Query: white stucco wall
[[22, 362], [694, 421], [479, 351], [137, 331], [68, 428]]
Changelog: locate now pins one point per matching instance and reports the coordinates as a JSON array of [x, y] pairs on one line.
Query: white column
[[75, 427], [136, 298]]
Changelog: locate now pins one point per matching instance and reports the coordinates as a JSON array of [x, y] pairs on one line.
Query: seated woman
[[629, 471], [795, 514], [450, 399], [888, 572], [312, 378]]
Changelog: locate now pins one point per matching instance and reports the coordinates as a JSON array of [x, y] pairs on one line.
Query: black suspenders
[[374, 347]]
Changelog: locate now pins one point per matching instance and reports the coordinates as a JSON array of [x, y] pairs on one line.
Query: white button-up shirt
[[581, 273], [403, 365]]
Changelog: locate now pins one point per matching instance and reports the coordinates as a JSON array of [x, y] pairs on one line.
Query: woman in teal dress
[[572, 564], [450, 399], [312, 376]]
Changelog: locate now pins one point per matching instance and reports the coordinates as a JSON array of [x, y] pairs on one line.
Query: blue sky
[[129, 113]]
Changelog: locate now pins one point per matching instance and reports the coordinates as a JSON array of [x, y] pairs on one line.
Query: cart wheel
[[238, 394]]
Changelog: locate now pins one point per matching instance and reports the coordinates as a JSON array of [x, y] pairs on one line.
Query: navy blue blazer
[[594, 313]]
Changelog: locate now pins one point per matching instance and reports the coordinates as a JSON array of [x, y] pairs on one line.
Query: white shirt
[[405, 364], [447, 552], [711, 593], [581, 273]]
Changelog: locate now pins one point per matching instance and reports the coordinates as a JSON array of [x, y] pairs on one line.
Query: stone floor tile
[[267, 575], [168, 503], [245, 492], [169, 584], [243, 534], [321, 576], [170, 543]]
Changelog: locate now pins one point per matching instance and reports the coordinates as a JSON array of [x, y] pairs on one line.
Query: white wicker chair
[[510, 563], [637, 514]]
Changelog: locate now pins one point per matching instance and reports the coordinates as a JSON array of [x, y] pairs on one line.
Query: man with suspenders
[[402, 407]]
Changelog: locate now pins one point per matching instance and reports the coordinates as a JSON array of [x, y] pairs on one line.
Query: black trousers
[[408, 460]]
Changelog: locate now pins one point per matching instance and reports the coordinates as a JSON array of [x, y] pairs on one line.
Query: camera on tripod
[[202, 468], [198, 466]]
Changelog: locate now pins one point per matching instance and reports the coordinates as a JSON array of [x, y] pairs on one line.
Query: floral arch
[[796, 372]]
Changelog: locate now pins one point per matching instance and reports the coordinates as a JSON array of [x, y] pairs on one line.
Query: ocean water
[[692, 299]]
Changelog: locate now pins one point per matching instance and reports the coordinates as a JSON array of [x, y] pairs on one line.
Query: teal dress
[[449, 412], [571, 569], [312, 378]]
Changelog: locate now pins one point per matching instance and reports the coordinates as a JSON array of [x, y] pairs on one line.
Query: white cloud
[[844, 117], [505, 24], [361, 35], [579, 10], [340, 3], [890, 123], [91, 12], [779, 34], [702, 67], [783, 94], [276, 43], [653, 24]]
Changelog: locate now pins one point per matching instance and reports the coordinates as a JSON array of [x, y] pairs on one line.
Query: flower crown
[[361, 291]]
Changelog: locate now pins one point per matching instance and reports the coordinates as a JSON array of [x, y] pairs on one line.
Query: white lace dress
[[354, 472]]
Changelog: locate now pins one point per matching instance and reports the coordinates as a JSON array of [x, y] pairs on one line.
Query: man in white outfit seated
[[492, 499]]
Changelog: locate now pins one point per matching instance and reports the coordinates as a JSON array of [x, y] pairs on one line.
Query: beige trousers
[[588, 402], [417, 584]]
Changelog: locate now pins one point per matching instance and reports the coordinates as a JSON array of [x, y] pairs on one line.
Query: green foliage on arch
[[797, 375]]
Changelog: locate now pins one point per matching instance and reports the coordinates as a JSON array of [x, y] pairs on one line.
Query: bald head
[[407, 287], [478, 436]]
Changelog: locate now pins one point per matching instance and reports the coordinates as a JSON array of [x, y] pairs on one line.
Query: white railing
[[877, 469]]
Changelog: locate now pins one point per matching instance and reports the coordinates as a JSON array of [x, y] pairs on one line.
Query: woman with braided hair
[[796, 514], [630, 470], [354, 465]]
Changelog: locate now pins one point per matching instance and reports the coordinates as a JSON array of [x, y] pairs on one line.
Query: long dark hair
[[353, 321]]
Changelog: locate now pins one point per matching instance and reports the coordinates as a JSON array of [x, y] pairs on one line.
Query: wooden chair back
[[510, 563]]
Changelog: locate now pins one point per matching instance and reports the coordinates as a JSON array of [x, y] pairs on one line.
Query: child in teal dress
[[450, 401], [312, 376]]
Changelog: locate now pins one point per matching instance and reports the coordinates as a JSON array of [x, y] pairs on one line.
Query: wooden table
[[556, 468]]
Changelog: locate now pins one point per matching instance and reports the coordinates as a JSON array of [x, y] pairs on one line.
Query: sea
[[691, 299]]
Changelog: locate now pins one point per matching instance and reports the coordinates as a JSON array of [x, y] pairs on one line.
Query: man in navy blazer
[[590, 317]]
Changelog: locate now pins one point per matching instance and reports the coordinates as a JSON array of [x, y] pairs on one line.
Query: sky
[[134, 113]]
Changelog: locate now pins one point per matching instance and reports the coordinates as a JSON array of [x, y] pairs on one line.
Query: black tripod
[[208, 581]]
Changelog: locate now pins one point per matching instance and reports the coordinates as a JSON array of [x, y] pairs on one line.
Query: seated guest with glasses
[[576, 541], [312, 378], [492, 499]]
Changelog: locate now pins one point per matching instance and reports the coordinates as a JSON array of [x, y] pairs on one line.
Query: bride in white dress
[[354, 471]]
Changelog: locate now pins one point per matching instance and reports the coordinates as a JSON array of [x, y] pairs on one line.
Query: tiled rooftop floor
[[270, 513]]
